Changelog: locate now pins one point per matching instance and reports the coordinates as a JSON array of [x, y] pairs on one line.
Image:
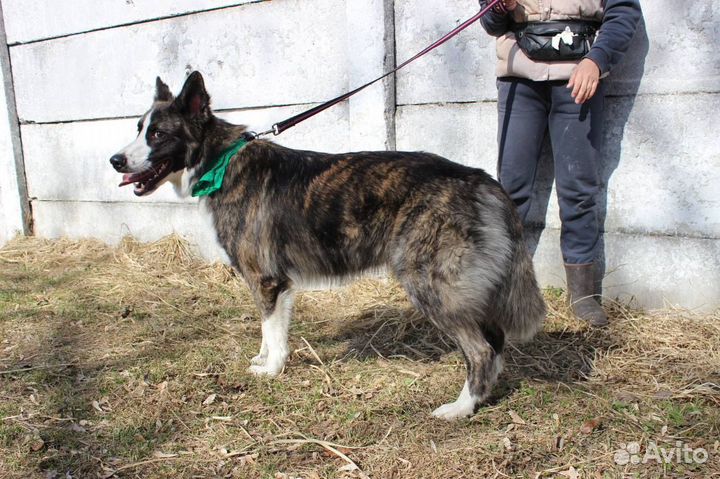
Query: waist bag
[[556, 41]]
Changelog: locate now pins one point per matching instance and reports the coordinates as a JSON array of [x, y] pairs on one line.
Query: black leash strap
[[292, 121]]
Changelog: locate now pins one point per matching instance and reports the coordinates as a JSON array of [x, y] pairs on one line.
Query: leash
[[280, 127]]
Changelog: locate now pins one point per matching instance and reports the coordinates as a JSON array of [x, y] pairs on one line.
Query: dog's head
[[169, 136]]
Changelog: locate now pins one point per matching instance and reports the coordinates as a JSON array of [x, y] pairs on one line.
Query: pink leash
[[292, 121]]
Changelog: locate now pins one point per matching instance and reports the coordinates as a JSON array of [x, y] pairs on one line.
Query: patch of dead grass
[[130, 362]]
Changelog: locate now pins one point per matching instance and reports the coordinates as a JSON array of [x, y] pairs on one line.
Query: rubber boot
[[581, 294]]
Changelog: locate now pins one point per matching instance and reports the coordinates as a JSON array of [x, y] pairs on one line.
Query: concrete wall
[[84, 69]]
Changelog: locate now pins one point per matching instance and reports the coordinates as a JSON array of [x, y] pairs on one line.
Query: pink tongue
[[126, 180]]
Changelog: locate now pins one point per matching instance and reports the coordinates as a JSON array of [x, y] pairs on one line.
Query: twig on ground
[[312, 351], [333, 448], [33, 368]]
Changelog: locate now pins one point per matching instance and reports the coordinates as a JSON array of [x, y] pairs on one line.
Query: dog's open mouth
[[146, 181]]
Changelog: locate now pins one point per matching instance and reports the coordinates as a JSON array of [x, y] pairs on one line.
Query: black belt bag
[[535, 39]]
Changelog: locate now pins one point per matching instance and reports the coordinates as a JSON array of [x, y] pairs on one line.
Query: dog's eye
[[157, 135]]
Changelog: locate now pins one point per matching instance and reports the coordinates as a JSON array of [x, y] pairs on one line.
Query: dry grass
[[130, 362]]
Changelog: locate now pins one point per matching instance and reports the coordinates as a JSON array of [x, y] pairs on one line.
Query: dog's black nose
[[118, 161]]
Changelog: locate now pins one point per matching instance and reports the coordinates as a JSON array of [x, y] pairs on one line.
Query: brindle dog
[[288, 219]]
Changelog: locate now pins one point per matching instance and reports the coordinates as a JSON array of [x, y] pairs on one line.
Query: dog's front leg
[[261, 357], [275, 300]]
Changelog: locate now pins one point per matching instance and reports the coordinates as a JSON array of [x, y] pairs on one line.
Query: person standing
[[552, 57]]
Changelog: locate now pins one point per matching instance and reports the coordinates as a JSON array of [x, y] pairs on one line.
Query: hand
[[510, 5], [584, 80], [504, 7]]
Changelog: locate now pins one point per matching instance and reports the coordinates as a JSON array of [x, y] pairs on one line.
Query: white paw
[[259, 360], [454, 410], [258, 370], [270, 368]]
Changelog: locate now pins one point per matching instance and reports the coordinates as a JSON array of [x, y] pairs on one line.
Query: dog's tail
[[520, 302], [515, 302]]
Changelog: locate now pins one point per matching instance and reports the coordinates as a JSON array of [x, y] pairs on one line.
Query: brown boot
[[581, 294]]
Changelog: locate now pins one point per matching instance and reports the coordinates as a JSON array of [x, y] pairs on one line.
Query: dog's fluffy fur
[[288, 219]]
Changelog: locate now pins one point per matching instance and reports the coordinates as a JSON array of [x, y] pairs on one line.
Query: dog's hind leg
[[480, 341], [482, 349], [274, 299]]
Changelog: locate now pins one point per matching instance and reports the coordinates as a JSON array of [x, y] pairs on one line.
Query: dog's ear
[[162, 92], [194, 100]]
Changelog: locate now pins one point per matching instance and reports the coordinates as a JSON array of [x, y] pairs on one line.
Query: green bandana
[[212, 181]]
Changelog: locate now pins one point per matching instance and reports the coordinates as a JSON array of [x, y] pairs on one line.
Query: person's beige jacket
[[513, 62]]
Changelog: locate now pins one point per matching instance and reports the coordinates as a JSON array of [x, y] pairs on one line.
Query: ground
[[130, 362]]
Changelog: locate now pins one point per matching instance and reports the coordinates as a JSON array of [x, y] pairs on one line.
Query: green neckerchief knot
[[212, 180]]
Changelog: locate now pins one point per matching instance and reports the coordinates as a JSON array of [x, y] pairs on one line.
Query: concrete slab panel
[[40, 19], [251, 56], [674, 50], [666, 160], [110, 222], [464, 133], [69, 161], [463, 69], [31, 21], [649, 271]]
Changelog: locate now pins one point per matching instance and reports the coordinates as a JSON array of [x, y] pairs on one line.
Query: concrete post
[[371, 52], [15, 215]]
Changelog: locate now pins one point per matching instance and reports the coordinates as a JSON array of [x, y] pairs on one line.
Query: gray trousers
[[526, 111]]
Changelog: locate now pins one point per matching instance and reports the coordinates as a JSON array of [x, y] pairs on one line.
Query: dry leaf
[[570, 473], [37, 444], [507, 444], [210, 399], [556, 418], [139, 390], [590, 425], [516, 418], [77, 428], [663, 394], [626, 397], [348, 468]]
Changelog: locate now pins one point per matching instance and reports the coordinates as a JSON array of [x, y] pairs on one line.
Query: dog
[[291, 219]]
